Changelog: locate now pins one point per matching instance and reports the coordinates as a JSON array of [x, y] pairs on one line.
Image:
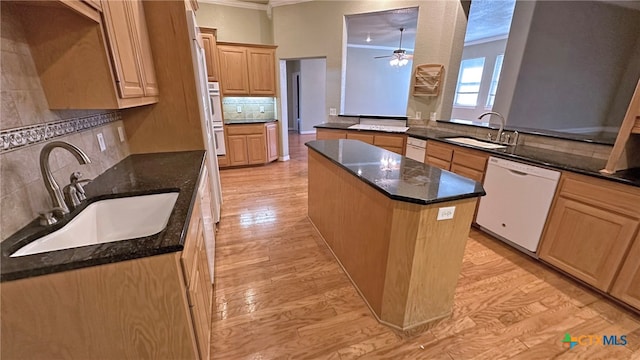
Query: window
[[469, 80], [494, 81]]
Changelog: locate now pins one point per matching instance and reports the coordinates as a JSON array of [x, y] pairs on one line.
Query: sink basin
[[474, 142], [107, 221]]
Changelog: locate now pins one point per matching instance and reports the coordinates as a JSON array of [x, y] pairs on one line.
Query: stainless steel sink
[[475, 142]]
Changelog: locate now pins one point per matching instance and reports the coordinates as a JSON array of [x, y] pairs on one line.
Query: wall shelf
[[427, 80]]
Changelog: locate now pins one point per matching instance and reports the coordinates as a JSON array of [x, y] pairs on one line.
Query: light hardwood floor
[[280, 294]]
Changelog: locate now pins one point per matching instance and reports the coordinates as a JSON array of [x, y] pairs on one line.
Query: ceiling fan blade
[[407, 56], [382, 57]]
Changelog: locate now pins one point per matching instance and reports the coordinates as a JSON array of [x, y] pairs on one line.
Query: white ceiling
[[489, 19], [383, 28]]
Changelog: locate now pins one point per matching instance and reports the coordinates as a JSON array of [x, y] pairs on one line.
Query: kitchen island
[[398, 227]]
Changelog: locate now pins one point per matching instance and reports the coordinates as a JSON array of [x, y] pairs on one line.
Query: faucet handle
[[76, 181], [47, 218]]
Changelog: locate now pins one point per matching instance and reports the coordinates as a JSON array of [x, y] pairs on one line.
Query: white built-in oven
[[216, 117]]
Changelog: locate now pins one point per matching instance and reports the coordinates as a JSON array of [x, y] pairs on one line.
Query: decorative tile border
[[17, 138]]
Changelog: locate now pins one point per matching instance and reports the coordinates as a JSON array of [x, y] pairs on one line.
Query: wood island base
[[402, 260]]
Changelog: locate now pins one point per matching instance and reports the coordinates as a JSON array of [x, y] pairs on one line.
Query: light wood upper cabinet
[[261, 71], [591, 225], [247, 69], [234, 77], [627, 285], [129, 44], [208, 38], [87, 59]]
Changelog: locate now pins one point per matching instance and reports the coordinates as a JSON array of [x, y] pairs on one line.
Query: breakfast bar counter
[[398, 227]]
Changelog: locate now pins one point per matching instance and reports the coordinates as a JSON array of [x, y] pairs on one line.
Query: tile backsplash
[[249, 108], [24, 107]]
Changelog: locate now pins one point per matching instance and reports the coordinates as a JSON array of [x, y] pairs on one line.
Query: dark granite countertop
[[554, 159], [140, 174], [248, 121], [396, 176]]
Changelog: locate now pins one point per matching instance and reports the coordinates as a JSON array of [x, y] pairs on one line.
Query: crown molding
[[253, 6], [378, 47], [236, 3]]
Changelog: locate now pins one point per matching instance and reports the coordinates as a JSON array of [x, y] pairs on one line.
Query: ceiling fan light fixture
[[394, 62]]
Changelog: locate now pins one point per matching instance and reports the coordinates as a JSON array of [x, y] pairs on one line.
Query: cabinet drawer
[[388, 140], [362, 137], [467, 172], [470, 160], [618, 197], [325, 134], [436, 150], [437, 162], [245, 129]]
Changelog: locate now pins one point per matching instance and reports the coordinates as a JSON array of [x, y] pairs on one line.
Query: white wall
[[372, 86], [574, 63], [313, 73]]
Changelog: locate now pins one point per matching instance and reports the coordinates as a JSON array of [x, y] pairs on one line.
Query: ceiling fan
[[399, 56]]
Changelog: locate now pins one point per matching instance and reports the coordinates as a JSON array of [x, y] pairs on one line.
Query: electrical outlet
[[121, 133], [101, 143], [239, 108], [333, 111], [432, 116], [418, 115], [261, 109], [446, 213]]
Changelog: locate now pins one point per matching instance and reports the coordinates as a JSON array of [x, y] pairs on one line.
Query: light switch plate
[[446, 213], [121, 133], [418, 115], [101, 143], [261, 109], [239, 108], [333, 111]]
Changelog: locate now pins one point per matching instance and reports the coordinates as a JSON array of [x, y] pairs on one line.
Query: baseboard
[[284, 158], [307, 132]]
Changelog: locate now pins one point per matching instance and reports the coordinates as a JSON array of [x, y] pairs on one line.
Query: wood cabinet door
[[330, 134], [353, 135], [257, 149], [627, 285], [272, 142], [234, 78], [237, 150], [210, 52], [262, 73], [433, 161], [586, 241], [467, 172], [121, 36], [147, 70]]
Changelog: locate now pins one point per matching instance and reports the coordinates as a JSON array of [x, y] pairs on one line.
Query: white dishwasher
[[416, 149], [517, 202]]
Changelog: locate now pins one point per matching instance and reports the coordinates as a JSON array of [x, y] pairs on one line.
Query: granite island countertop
[[396, 176], [139, 174], [554, 159]]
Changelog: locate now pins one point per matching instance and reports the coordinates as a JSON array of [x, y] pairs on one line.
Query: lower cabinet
[[627, 284], [590, 231], [392, 142], [251, 144]]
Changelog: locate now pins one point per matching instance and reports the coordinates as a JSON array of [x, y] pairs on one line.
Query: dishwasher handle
[[516, 172]]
